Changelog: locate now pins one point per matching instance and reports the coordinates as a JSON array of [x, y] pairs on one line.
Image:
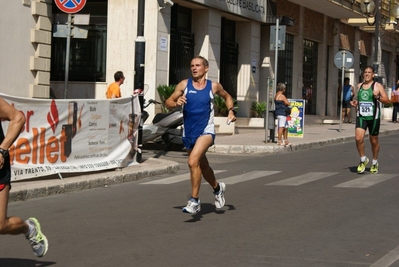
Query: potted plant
[[387, 111], [220, 106], [259, 108], [165, 91], [221, 111]]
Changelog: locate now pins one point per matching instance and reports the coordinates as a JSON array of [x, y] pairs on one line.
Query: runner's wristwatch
[[4, 152]]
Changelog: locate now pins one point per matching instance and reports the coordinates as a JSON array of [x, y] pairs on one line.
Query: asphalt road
[[305, 208]]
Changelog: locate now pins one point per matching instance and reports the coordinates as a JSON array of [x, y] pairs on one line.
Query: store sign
[[251, 9]]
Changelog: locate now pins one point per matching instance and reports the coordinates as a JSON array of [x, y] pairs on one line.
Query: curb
[[150, 167]]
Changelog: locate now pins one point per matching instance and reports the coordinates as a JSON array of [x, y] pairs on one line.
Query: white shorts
[[281, 121]]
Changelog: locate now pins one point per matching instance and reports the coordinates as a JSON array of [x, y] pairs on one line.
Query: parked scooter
[[166, 128]]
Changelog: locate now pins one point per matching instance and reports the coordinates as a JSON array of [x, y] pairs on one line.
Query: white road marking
[[176, 179], [388, 259], [246, 177], [304, 178], [367, 180]]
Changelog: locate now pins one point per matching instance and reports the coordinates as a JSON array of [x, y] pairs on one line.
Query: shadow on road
[[24, 263], [206, 208]]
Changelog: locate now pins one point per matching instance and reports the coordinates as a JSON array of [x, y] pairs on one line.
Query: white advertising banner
[[73, 135]]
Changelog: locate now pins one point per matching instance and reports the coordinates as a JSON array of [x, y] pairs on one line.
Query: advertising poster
[[296, 120], [73, 135]]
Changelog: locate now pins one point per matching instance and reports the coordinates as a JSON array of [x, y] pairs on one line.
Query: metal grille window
[[309, 90], [363, 65], [385, 68], [285, 63], [181, 45], [229, 57]]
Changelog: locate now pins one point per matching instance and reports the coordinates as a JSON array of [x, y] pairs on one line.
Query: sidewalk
[[315, 135]]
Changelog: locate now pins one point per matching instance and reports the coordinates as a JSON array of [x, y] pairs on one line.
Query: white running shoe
[[37, 239], [193, 207], [219, 196]]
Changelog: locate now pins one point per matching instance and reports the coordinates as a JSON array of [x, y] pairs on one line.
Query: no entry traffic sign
[[70, 6]]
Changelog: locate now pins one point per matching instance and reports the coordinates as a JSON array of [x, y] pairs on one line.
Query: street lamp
[[368, 9], [372, 9]]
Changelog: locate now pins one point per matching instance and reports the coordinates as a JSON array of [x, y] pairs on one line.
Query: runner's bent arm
[[380, 94], [17, 120], [217, 88], [177, 98]]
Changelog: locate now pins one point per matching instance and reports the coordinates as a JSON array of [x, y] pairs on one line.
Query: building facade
[[234, 35]]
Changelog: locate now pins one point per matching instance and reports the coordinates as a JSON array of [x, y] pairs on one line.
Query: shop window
[[87, 57]]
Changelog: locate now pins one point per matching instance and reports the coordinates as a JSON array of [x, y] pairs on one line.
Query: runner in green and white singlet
[[368, 108], [367, 101]]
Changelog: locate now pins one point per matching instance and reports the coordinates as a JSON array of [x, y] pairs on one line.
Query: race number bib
[[366, 109]]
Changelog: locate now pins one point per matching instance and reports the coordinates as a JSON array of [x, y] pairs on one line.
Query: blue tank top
[[347, 93], [198, 112], [280, 107]]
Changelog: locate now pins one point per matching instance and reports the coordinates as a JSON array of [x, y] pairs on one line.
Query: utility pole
[[139, 61]]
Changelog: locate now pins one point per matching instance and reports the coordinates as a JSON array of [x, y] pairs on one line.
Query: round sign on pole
[[343, 59], [70, 6]]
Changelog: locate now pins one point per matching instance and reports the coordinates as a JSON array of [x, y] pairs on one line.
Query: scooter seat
[[160, 116]]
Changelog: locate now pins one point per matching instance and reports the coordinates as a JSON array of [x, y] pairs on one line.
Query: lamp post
[[372, 8], [369, 9], [139, 61]]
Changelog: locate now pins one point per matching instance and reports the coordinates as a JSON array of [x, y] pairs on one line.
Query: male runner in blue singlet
[[196, 96]]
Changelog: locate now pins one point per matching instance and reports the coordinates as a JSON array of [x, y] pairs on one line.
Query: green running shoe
[[374, 168], [37, 240], [362, 166]]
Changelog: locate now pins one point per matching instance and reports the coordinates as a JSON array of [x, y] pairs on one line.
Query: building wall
[[248, 38], [121, 36], [207, 30], [26, 52]]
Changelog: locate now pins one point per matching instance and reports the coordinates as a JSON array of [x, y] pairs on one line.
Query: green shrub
[[220, 106], [259, 108], [165, 91], [389, 105]]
